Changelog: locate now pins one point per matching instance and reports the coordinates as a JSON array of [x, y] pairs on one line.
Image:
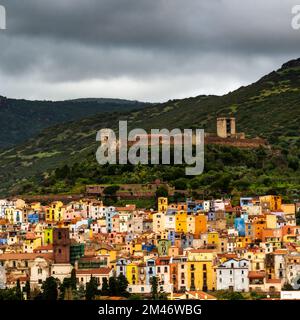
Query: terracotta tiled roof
[[273, 281], [100, 271], [256, 274], [280, 251], [202, 250], [25, 256], [47, 247]]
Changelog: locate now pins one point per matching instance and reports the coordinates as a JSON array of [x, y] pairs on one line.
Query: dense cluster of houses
[[192, 247]]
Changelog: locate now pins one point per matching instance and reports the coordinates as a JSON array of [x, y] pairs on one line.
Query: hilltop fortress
[[227, 135]]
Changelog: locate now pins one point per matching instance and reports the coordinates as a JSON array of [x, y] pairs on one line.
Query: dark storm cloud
[[145, 49]]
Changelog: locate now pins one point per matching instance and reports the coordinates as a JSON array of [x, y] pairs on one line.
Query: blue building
[[33, 218], [246, 201], [148, 247], [211, 216], [3, 241], [111, 212], [150, 270], [171, 237], [239, 225]]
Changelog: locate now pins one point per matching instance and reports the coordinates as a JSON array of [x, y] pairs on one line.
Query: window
[[40, 271]]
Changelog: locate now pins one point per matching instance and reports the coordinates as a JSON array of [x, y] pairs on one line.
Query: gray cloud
[[141, 49]]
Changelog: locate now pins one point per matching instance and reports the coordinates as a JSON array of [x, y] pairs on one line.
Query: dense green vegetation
[[61, 159], [23, 119], [228, 170]]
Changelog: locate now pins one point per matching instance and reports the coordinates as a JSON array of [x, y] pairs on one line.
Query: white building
[[83, 276], [61, 271], [206, 205], [2, 277], [39, 271], [170, 222], [233, 275], [146, 288]]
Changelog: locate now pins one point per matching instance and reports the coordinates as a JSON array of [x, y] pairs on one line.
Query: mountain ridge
[[268, 108], [21, 119]]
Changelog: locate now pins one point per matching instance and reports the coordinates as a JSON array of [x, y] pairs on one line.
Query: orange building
[[200, 224]]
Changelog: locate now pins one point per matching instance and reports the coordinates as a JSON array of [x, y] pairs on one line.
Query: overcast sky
[[150, 50]]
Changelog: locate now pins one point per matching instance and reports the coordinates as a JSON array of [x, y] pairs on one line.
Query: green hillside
[[23, 119], [269, 108]]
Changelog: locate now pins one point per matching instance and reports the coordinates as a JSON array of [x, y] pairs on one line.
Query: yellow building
[[31, 243], [135, 247], [200, 270], [181, 221], [132, 273], [110, 252], [288, 208], [35, 206], [55, 212], [48, 236], [164, 235], [162, 204], [271, 221], [256, 258], [9, 215], [213, 238], [270, 203]]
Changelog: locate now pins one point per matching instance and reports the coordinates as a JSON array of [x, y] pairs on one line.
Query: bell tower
[[61, 245]]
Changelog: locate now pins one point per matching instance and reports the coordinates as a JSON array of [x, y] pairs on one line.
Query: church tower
[[61, 245]]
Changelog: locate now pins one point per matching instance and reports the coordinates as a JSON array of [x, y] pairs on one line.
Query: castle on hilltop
[[227, 135]]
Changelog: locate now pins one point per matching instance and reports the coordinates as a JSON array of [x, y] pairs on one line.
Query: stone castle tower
[[226, 127]]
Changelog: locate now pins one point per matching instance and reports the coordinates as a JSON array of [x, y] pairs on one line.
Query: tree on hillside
[[27, 290], [8, 294], [111, 190], [80, 294], [73, 281], [180, 184], [161, 192], [91, 289], [154, 287], [113, 286], [19, 293], [105, 288], [49, 288], [122, 284]]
